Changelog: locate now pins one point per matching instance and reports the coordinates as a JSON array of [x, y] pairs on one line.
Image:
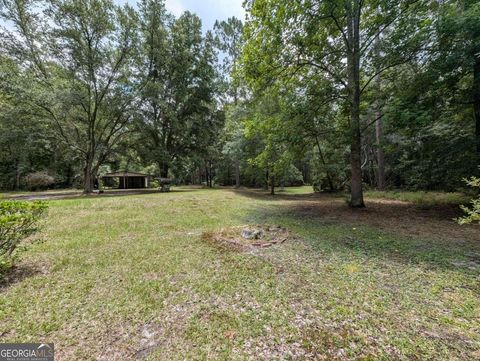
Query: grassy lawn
[[130, 277], [422, 198], [295, 190]]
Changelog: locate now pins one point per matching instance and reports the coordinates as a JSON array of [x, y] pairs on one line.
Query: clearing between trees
[[135, 277]]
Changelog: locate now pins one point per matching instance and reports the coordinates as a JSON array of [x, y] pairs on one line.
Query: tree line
[[90, 84], [380, 93], [340, 94]]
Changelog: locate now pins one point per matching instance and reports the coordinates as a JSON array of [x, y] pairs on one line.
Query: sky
[[207, 10]]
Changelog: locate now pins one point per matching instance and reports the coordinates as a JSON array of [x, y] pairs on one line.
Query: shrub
[[288, 176], [18, 220], [293, 177], [38, 180], [472, 214], [155, 183]]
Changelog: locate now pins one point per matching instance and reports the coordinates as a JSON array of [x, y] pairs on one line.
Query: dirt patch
[[400, 217], [243, 238], [393, 216]]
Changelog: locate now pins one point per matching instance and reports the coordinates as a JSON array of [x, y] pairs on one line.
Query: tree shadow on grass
[[389, 215], [386, 229], [18, 273], [261, 194]]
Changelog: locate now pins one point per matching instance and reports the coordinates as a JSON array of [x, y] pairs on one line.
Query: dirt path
[[47, 196]]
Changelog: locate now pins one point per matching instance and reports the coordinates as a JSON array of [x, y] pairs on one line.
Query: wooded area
[[300, 184], [337, 94]]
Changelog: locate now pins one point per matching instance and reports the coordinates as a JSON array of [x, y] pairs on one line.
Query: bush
[[18, 220], [155, 183], [320, 178], [289, 176], [472, 214], [38, 180]]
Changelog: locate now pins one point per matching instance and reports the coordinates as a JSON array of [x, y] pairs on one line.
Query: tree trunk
[[229, 177], [476, 107], [18, 174], [380, 153], [353, 62], [206, 175], [322, 159], [164, 170], [379, 129], [237, 173], [272, 185], [88, 179], [210, 173]]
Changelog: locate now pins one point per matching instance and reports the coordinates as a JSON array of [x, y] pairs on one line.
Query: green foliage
[[275, 156], [86, 85], [77, 72], [228, 39], [322, 57], [179, 116], [428, 105], [423, 97], [436, 156], [26, 142], [155, 183], [473, 213], [18, 220], [290, 176]]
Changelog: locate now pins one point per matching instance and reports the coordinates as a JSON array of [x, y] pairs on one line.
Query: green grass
[[130, 277], [295, 190], [422, 199]]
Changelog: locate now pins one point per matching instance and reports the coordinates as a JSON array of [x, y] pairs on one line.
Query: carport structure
[[128, 180]]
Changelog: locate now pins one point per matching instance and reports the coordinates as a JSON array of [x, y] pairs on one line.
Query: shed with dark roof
[[128, 180]]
